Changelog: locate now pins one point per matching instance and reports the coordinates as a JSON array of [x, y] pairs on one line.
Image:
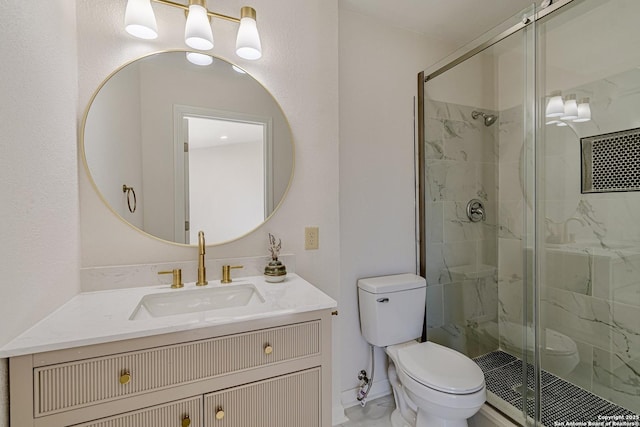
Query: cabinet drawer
[[76, 384], [187, 413], [288, 401]]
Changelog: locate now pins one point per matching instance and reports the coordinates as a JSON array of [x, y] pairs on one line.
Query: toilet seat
[[440, 368]]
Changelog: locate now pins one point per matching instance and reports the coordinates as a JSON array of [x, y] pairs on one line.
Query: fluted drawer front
[[186, 413], [288, 401], [77, 384]]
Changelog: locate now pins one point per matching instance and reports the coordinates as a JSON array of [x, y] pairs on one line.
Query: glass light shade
[[238, 69], [584, 111], [561, 124], [197, 31], [555, 106], [139, 20], [199, 58], [570, 108], [248, 40]]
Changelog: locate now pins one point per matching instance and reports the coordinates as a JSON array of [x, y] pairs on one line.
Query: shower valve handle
[[475, 211]]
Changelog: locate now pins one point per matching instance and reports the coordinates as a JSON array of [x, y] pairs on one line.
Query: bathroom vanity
[[266, 365]]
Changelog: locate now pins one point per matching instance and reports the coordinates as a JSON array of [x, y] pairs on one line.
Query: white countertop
[[103, 316]]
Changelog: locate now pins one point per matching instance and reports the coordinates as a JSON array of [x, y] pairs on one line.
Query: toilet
[[433, 386], [558, 355]]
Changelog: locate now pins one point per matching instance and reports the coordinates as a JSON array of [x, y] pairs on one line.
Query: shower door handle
[[475, 211]]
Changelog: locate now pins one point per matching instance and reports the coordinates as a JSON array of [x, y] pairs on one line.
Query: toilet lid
[[441, 368]]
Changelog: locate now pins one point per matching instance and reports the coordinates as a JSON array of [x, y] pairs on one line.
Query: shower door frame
[[533, 108], [423, 77]]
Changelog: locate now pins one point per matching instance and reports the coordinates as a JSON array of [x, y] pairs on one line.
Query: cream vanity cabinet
[[262, 373]]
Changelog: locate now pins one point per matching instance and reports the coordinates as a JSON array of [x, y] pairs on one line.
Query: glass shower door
[[589, 234], [529, 187], [477, 210]]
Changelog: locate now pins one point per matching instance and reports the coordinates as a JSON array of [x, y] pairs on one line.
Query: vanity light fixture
[[238, 69], [555, 106], [140, 22], [248, 40], [584, 111], [197, 30], [577, 112], [570, 108], [199, 58]]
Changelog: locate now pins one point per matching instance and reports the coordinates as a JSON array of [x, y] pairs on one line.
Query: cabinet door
[[288, 401], [182, 413]]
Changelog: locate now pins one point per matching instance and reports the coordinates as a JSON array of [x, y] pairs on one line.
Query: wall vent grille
[[611, 162]]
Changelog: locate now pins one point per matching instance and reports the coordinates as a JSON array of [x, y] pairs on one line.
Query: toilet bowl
[[559, 353], [441, 386], [433, 386]]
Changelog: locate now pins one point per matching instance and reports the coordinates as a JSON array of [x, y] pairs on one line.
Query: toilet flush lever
[[383, 300]]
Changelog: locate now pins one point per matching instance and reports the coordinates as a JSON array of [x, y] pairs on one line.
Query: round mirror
[[174, 148]]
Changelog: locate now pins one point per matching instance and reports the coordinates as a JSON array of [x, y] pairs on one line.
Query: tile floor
[[562, 402], [376, 413]]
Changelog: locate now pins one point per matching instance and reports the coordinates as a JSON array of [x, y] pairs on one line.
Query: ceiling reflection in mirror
[[201, 148]]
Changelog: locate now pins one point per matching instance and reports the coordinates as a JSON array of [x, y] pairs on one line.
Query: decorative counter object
[[275, 271]]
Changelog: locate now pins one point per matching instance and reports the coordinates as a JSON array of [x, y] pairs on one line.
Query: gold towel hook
[[130, 191]]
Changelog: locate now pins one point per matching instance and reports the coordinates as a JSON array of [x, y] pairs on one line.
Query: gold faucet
[[202, 270], [177, 277], [226, 273]]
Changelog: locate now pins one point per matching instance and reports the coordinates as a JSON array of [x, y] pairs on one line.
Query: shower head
[[489, 119]]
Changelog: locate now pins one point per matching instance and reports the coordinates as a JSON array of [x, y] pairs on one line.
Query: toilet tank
[[391, 308]]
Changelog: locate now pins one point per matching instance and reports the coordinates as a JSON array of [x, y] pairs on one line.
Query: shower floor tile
[[494, 360], [562, 402]]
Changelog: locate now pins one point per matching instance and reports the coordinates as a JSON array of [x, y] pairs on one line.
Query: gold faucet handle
[[177, 277], [226, 272]]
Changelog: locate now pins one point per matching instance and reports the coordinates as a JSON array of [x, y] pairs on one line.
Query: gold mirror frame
[[127, 191]]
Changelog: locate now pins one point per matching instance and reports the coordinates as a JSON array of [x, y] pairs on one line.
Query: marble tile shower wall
[[462, 292], [592, 271], [590, 291], [514, 212]]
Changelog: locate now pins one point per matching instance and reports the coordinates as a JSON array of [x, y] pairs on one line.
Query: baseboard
[[379, 389], [487, 416]]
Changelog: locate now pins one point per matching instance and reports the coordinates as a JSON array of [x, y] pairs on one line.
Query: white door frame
[[182, 112]]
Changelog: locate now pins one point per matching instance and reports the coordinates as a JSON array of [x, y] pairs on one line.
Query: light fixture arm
[[209, 13]]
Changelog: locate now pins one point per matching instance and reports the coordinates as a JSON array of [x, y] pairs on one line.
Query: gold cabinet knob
[[268, 349], [125, 377], [186, 421], [219, 414]]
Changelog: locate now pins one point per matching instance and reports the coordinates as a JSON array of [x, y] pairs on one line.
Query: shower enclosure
[[529, 161]]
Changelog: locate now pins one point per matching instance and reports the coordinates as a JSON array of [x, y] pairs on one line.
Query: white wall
[[378, 81], [39, 208], [299, 67]]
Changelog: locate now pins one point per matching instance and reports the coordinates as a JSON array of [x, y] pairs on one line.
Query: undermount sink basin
[[196, 300]]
